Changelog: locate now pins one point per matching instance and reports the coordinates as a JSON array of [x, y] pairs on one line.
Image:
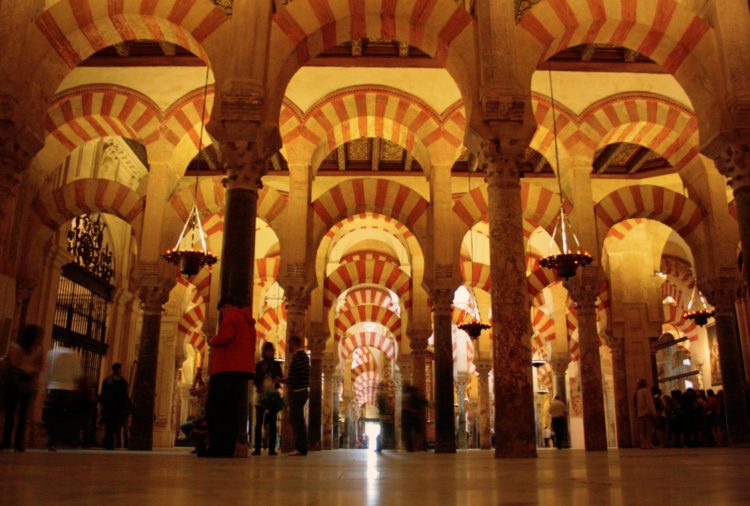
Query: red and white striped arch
[[86, 113], [270, 319], [476, 274], [380, 196], [75, 29], [662, 30], [543, 325], [377, 340], [359, 256], [375, 272], [86, 196], [305, 28], [538, 204], [182, 120], [651, 202], [656, 122], [569, 134], [619, 230], [374, 111], [370, 296], [351, 316], [191, 322]]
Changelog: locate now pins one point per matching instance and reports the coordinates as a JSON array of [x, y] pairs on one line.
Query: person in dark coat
[[298, 386], [231, 365], [115, 407], [269, 402]]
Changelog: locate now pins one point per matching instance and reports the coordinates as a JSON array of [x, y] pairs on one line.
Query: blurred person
[[63, 370], [675, 419], [412, 413], [269, 402], [298, 385], [115, 407], [660, 419], [646, 414], [23, 363], [231, 365], [558, 411]]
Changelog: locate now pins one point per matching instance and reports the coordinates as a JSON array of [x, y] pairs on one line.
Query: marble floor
[[359, 477]]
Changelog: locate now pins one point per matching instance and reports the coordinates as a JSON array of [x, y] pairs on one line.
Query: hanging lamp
[[571, 255], [475, 327], [191, 252], [698, 309]]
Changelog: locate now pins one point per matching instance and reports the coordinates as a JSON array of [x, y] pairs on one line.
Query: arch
[[370, 296], [653, 202], [671, 34], [476, 274], [538, 206], [270, 319], [82, 114], [304, 29], [543, 325], [191, 321], [85, 196], [375, 111], [568, 131], [350, 342], [360, 314], [373, 272], [355, 196], [75, 29]]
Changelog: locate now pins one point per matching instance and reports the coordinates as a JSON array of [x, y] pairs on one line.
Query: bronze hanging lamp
[[475, 327], [191, 252], [698, 309], [571, 256]]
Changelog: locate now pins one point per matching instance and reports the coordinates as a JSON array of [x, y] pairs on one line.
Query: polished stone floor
[[359, 477]]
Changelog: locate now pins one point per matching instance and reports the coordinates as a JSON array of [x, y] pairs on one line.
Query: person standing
[[24, 361], [63, 370], [231, 365], [298, 385], [646, 414], [269, 402], [558, 412], [412, 411], [115, 406]]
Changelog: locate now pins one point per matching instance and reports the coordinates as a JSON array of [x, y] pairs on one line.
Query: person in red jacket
[[231, 365]]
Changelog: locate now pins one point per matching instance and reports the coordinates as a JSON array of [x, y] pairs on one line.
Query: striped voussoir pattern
[[661, 30], [75, 29], [460, 315], [651, 202], [270, 320], [370, 296], [542, 324], [190, 325], [353, 315], [378, 340], [375, 272], [308, 27], [619, 230], [87, 196]]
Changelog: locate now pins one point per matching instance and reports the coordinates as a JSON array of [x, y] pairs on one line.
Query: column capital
[[722, 294], [503, 161], [317, 345], [442, 300], [153, 297], [329, 369], [484, 367], [155, 282], [733, 162], [560, 365], [583, 292]]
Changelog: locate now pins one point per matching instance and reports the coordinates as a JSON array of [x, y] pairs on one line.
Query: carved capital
[[583, 293], [418, 340], [498, 106], [502, 162], [722, 295], [329, 370], [483, 368], [154, 280], [560, 366], [442, 300], [296, 297], [153, 297], [733, 161], [16, 152], [317, 345]]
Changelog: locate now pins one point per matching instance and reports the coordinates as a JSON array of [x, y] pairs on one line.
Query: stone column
[[560, 368], [154, 293], [245, 169], [484, 367], [461, 381], [514, 392], [418, 342], [317, 345], [721, 294], [622, 400], [329, 389], [398, 383], [583, 292], [445, 423], [337, 379]]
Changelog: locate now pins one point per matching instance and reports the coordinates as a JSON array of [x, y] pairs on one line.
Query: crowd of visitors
[[682, 419]]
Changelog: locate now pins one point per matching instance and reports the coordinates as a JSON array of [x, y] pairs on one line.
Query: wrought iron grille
[[88, 245]]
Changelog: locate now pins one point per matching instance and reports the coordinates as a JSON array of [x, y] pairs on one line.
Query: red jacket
[[233, 348]]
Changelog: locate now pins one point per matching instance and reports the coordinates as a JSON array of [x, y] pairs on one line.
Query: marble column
[[461, 380], [329, 389], [445, 422], [583, 292], [418, 342], [484, 367], [237, 256], [317, 345], [560, 369], [622, 400], [721, 294], [514, 392], [153, 297]]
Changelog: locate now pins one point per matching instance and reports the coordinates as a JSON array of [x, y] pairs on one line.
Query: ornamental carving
[[505, 108], [523, 5], [90, 249], [225, 5], [734, 162]]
